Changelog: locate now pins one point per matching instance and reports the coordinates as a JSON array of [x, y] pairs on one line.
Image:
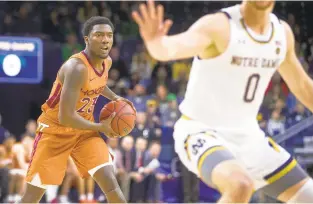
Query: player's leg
[[288, 182], [70, 177], [33, 194], [20, 185], [217, 167], [12, 181], [90, 185], [106, 180], [91, 156], [81, 189], [48, 164], [66, 186]]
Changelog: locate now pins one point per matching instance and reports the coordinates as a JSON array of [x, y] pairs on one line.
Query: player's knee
[[241, 182], [236, 184], [105, 177]]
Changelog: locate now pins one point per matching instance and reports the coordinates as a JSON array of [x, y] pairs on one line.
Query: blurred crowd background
[[155, 88]]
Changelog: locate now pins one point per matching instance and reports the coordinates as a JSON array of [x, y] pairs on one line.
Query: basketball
[[124, 120]]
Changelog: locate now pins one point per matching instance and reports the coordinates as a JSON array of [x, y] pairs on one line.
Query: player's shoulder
[[74, 66], [289, 34], [214, 22], [287, 27]]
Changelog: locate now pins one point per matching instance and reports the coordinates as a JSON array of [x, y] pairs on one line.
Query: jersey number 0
[[251, 87]]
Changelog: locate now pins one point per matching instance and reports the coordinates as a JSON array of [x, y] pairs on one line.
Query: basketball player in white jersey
[[236, 52]]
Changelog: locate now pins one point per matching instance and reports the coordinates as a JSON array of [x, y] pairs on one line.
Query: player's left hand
[[151, 22], [119, 98]]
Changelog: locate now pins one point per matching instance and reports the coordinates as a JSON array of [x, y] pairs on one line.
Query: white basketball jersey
[[226, 91]]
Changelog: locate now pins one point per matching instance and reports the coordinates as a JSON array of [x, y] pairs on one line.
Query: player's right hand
[[151, 22], [105, 127]]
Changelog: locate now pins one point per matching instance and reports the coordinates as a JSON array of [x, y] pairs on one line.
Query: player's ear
[[86, 40]]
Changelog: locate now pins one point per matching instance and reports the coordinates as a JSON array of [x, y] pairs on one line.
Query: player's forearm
[[109, 94], [76, 121], [163, 49], [304, 93]]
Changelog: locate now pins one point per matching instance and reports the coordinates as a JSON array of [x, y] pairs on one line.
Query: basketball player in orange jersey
[[67, 127], [20, 159], [236, 52]]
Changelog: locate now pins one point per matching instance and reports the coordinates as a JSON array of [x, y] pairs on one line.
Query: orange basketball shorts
[[54, 144]]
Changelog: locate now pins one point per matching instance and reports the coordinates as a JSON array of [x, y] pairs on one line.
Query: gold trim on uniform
[[255, 40], [186, 146], [274, 145], [185, 117], [288, 167]]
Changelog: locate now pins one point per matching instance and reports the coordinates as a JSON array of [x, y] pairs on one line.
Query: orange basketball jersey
[[89, 93]]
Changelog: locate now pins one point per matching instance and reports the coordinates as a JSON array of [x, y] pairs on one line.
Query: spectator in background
[[161, 75], [141, 64], [52, 27], [71, 46], [137, 187], [150, 165], [31, 127], [140, 125], [180, 83], [125, 164], [277, 81], [276, 124], [86, 12], [71, 176], [272, 96], [4, 174], [297, 115], [281, 105], [134, 80], [190, 186], [113, 80], [26, 25], [8, 144], [8, 26], [118, 63], [114, 150], [160, 97], [105, 9], [182, 66], [153, 119], [170, 113], [139, 97]]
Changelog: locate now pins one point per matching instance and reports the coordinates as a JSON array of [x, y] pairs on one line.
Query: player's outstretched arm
[[291, 70], [74, 75], [195, 40]]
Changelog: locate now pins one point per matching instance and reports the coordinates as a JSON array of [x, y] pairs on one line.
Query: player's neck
[[257, 20], [95, 61]]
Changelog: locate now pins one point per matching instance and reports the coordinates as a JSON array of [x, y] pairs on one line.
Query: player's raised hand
[[150, 20]]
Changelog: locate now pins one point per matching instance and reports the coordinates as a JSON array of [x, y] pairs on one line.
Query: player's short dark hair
[[95, 20]]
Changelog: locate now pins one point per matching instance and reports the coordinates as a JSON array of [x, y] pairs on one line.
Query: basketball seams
[[126, 122], [120, 113], [121, 108], [118, 128]]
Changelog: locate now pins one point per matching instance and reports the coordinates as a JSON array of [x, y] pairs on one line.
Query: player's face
[[262, 5], [100, 40]]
